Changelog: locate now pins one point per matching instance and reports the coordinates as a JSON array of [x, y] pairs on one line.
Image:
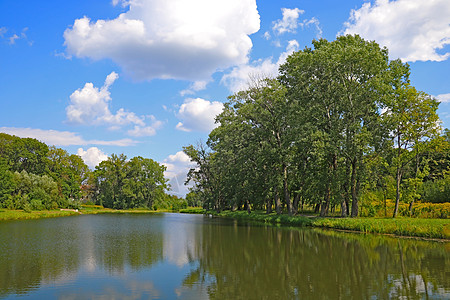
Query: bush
[[419, 210], [35, 204], [27, 207]]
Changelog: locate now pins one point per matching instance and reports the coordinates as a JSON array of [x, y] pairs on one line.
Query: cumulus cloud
[[443, 98], [90, 106], [289, 22], [194, 87], [198, 115], [413, 30], [169, 39], [92, 156], [177, 167], [139, 131], [239, 77], [62, 138]]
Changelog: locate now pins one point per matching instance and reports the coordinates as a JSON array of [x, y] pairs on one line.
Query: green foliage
[[437, 191], [24, 154], [427, 228], [126, 184], [193, 199], [341, 127], [34, 176], [33, 191]]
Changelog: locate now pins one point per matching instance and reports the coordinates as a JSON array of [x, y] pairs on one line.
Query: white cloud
[[289, 23], [92, 156], [178, 166], [443, 98], [62, 138], [90, 106], [239, 77], [169, 39], [13, 38], [139, 131], [312, 22], [198, 115], [194, 87], [413, 30]]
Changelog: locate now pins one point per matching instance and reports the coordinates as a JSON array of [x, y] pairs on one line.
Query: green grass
[[193, 210], [21, 215], [413, 227]]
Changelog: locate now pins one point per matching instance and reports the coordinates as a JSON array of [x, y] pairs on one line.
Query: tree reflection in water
[[258, 262], [195, 257]]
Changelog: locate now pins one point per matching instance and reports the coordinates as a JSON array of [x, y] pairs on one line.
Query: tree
[[205, 176], [144, 183], [338, 84], [110, 175], [412, 119], [69, 171], [24, 154], [123, 184]]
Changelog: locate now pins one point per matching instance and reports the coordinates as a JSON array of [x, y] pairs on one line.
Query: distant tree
[[123, 184], [69, 171], [24, 154]]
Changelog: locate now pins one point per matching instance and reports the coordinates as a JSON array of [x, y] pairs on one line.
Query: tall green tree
[[144, 183], [338, 83], [69, 171], [412, 119], [24, 154]]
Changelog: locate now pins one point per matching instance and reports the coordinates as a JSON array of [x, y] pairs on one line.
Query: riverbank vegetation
[[341, 129], [6, 214], [411, 227], [36, 177]]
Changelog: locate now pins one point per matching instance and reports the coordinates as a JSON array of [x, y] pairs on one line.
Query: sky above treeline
[[147, 77]]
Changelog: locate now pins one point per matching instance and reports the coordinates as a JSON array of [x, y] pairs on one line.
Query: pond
[[177, 256]]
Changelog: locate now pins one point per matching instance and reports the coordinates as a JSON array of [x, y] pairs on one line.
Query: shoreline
[[430, 229]]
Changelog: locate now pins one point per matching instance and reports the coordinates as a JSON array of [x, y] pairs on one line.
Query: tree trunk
[[326, 202], [326, 199], [411, 208], [355, 206], [346, 197], [295, 203], [277, 202], [317, 208], [247, 204], [269, 206], [287, 196], [344, 211], [397, 197]]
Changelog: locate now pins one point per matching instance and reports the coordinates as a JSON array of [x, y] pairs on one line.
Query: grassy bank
[[6, 214], [22, 215], [413, 227]]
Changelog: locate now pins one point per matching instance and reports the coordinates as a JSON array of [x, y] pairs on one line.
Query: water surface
[[175, 256]]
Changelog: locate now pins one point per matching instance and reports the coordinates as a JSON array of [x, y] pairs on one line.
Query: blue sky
[[147, 77]]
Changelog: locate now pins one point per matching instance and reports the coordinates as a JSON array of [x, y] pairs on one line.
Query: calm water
[[171, 256]]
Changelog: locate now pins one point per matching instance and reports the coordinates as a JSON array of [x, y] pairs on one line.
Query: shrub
[[35, 204]]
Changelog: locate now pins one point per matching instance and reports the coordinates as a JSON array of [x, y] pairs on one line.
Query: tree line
[[339, 126], [34, 176]]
